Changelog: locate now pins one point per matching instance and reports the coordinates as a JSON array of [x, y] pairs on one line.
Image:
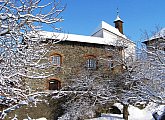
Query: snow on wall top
[[109, 28]]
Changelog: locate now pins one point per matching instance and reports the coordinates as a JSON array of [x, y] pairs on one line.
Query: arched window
[[56, 59], [54, 84]]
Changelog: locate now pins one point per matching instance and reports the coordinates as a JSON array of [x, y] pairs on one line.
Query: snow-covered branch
[[21, 57]]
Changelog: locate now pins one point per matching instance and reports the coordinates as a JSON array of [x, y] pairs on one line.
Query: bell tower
[[118, 23]]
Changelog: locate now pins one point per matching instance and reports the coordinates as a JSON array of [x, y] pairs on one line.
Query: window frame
[[110, 64], [56, 59], [91, 62]]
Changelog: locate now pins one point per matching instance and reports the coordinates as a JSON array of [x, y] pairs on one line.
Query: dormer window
[[56, 59]]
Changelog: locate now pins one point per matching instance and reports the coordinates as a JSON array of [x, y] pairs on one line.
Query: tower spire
[[118, 22], [118, 16], [117, 11]]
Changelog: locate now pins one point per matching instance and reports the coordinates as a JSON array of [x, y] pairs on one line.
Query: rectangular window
[[91, 63], [56, 60], [110, 63]]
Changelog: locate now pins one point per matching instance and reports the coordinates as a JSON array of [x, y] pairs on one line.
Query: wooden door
[[54, 85]]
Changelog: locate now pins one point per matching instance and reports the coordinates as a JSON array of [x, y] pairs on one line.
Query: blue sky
[[84, 16]]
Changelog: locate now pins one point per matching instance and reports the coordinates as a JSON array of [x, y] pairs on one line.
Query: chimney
[[118, 23]]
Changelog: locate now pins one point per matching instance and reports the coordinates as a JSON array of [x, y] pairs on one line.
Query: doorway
[[54, 84]]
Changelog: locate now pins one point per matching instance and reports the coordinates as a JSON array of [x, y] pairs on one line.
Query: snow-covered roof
[[75, 38], [118, 19], [109, 28], [160, 34], [88, 39]]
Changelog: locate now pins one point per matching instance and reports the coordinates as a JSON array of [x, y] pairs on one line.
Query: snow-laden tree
[[150, 70], [142, 79], [20, 51], [91, 90], [88, 94]]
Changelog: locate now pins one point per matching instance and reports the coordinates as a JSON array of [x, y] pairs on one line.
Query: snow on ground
[[41, 119], [138, 114], [109, 117], [135, 113], [37, 119]]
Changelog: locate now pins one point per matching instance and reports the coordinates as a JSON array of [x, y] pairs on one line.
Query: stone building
[[156, 42], [75, 56], [155, 58]]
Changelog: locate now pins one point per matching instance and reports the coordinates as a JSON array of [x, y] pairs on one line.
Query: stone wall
[[155, 44], [73, 64]]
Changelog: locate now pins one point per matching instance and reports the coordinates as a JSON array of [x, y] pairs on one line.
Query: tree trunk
[[125, 111]]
